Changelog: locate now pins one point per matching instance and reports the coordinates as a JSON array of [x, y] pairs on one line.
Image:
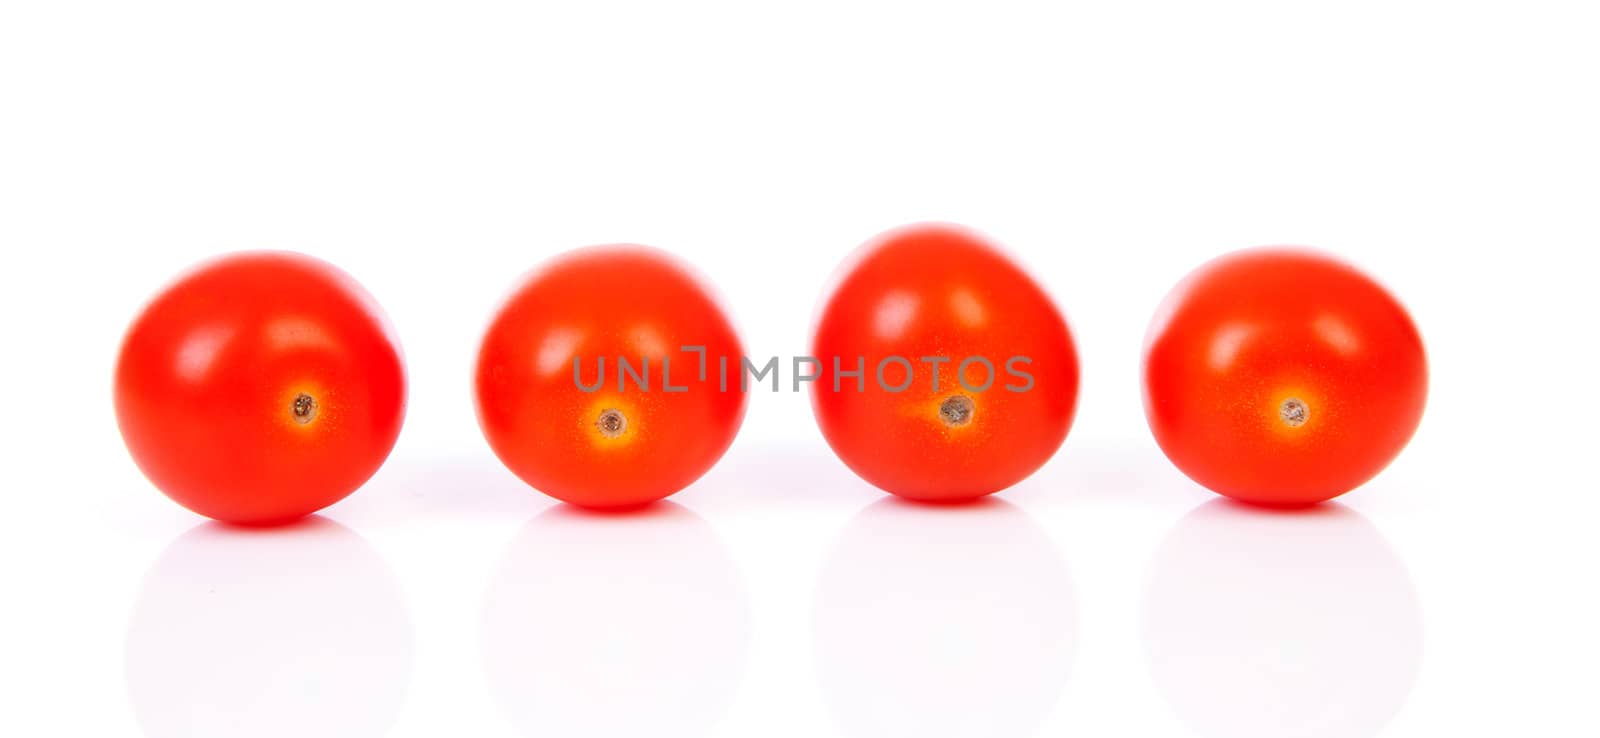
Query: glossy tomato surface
[[1282, 376], [610, 437], [260, 387], [969, 376]]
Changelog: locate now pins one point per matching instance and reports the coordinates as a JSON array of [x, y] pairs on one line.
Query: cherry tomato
[[260, 387], [968, 377], [1282, 377], [610, 377]]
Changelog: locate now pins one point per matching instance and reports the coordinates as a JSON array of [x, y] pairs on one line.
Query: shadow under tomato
[[1281, 623], [296, 630], [1324, 509], [987, 503], [655, 509], [313, 524]]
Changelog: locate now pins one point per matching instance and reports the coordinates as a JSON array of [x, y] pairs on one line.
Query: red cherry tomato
[[260, 387], [563, 412], [995, 409], [1282, 377]]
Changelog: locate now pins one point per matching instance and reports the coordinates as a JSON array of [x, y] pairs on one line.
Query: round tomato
[[260, 387], [610, 378], [1282, 377], [944, 371]]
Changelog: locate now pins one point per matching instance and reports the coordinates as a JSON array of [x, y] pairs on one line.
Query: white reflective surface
[[937, 621], [298, 631], [615, 625], [1281, 624]]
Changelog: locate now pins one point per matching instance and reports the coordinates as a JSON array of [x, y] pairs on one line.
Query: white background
[[437, 150]]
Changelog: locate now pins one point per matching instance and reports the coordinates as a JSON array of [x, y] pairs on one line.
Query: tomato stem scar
[[1294, 412], [956, 410], [304, 409], [611, 423]]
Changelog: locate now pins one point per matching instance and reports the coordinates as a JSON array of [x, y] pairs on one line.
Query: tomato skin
[[211, 374], [931, 290], [612, 301], [1247, 334]]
